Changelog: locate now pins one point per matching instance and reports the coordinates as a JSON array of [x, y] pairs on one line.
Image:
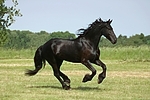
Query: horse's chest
[[89, 54]]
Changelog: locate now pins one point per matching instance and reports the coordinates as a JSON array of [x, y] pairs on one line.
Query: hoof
[[99, 81], [100, 78], [66, 86], [86, 78]]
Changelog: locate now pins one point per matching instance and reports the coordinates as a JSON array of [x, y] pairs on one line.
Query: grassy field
[[128, 77]]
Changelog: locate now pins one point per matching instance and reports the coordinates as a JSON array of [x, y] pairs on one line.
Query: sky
[[129, 17]]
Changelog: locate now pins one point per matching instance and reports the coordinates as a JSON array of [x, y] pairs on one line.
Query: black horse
[[84, 49]]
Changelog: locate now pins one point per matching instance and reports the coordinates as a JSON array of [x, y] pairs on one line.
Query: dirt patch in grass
[[74, 72], [114, 73], [109, 74], [15, 65], [129, 74]]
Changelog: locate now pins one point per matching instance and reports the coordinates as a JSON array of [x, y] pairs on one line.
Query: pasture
[[128, 77]]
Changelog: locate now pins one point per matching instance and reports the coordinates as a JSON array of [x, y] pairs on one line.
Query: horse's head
[[107, 31], [99, 28]]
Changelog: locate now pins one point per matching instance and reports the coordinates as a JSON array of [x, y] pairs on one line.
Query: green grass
[[125, 81], [16, 54], [128, 77], [141, 53]]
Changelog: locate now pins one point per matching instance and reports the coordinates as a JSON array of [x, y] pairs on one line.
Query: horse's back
[[65, 49]]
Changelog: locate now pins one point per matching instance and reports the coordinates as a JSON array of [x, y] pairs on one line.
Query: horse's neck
[[94, 39]]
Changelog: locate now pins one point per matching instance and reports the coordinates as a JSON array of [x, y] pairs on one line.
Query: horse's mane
[[83, 32]]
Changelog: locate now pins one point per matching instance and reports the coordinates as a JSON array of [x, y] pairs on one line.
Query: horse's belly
[[69, 57]]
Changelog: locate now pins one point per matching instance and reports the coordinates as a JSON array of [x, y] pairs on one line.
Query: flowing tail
[[38, 61]]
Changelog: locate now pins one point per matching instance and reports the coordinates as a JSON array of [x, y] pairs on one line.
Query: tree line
[[17, 39]]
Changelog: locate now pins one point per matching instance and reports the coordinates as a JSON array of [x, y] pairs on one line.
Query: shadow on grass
[[55, 87], [73, 88], [86, 88]]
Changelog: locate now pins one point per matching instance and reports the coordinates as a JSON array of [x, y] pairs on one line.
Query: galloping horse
[[84, 49]]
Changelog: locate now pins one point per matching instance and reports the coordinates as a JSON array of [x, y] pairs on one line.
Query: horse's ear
[[109, 21], [100, 20]]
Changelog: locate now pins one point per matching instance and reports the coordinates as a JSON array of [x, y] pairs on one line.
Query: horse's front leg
[[102, 75], [88, 77]]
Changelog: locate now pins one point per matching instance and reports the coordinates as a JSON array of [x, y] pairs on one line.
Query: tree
[[64, 35], [7, 14], [147, 40], [122, 40], [17, 40], [136, 40], [26, 39]]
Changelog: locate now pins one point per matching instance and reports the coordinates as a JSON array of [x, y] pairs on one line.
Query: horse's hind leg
[[57, 74], [65, 77]]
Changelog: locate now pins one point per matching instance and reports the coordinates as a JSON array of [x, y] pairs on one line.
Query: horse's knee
[[56, 74], [94, 72]]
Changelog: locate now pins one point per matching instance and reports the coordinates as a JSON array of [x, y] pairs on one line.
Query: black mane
[[83, 32]]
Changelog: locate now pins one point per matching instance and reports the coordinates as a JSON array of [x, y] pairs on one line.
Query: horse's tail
[[39, 61]]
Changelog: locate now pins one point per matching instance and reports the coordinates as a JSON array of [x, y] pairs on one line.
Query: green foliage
[[26, 39], [64, 35], [140, 53], [7, 14], [107, 53]]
